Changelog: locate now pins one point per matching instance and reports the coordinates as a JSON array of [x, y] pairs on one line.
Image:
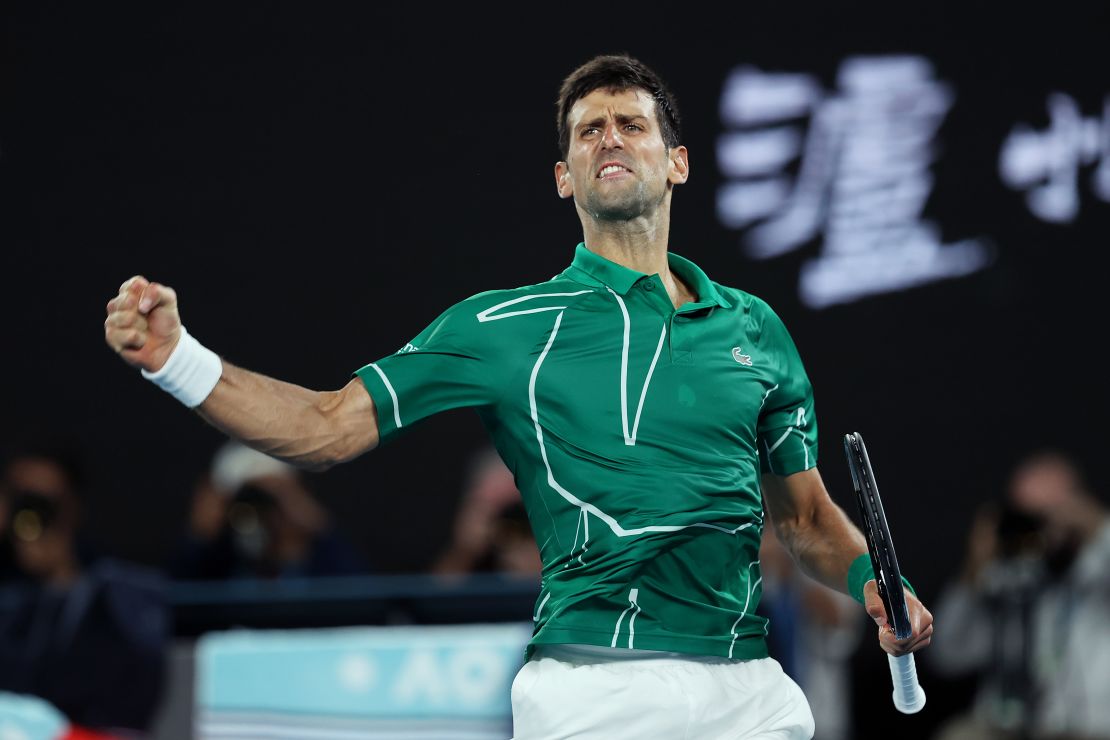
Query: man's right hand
[[143, 325]]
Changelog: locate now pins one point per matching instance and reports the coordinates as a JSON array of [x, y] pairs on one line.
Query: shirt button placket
[[658, 299]]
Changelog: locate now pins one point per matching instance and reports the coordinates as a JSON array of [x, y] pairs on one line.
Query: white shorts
[[590, 693]]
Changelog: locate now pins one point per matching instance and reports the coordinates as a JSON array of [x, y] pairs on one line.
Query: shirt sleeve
[[787, 428], [452, 363]]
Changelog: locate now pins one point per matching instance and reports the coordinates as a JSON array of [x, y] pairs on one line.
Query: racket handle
[[909, 697]]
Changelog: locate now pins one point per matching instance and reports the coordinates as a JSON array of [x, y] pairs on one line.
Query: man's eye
[[589, 130], [633, 127]]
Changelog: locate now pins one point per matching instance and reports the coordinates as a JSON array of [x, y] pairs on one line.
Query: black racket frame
[[880, 546]]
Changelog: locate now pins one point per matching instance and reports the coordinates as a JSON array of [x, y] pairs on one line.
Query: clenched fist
[[143, 325]]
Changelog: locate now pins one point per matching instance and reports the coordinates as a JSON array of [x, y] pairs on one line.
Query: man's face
[[618, 167], [1044, 488], [42, 542]]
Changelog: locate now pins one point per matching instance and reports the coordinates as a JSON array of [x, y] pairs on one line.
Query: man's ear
[[563, 184], [680, 165]]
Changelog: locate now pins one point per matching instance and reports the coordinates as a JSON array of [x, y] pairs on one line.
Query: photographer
[[253, 517], [1030, 613], [87, 634], [491, 533]]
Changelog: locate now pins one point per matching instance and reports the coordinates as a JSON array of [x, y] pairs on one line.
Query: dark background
[[319, 182]]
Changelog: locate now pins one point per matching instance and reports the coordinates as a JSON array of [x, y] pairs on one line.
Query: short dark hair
[[617, 72], [63, 452]]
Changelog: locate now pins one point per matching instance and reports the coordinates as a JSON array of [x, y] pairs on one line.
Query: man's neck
[[643, 250], [637, 245]]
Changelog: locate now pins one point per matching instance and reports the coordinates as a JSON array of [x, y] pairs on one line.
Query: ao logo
[[470, 677]]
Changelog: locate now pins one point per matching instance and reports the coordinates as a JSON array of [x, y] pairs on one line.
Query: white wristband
[[190, 373]]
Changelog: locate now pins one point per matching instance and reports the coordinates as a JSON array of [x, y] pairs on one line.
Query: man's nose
[[611, 137]]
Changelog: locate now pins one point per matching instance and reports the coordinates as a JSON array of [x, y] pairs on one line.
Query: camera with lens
[[31, 514], [1020, 534], [249, 516]]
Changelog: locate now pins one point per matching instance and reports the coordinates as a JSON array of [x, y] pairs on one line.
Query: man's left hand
[[921, 620]]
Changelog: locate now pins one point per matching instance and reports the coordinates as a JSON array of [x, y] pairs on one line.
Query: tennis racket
[[909, 697]]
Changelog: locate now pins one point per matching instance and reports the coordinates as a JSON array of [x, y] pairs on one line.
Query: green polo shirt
[[637, 434]]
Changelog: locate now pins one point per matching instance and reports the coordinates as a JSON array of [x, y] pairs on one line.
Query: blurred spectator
[[253, 517], [491, 533], [813, 633], [1030, 612], [87, 634]]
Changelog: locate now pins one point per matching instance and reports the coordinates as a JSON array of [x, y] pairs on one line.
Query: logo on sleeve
[[740, 357]]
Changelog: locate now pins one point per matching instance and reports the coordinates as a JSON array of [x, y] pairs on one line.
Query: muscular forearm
[[824, 542], [817, 533], [307, 428], [301, 426]]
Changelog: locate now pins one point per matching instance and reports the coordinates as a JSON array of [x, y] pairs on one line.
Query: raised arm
[[311, 429], [824, 542]]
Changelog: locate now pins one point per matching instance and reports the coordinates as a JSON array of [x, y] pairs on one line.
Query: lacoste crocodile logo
[[740, 357]]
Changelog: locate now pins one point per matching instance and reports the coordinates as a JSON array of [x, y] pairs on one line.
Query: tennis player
[[648, 414]]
